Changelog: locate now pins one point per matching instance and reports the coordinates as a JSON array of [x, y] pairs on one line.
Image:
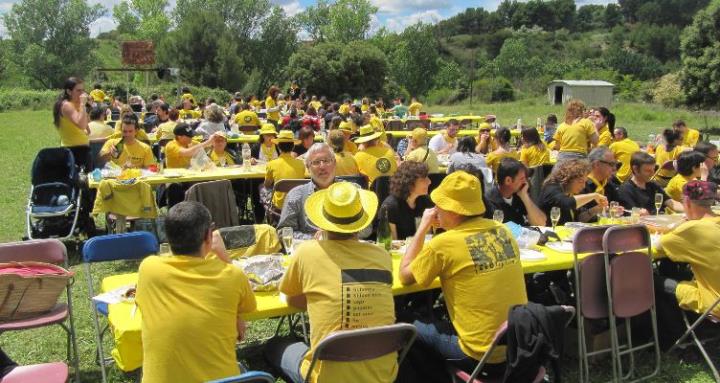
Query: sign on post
[[138, 53]]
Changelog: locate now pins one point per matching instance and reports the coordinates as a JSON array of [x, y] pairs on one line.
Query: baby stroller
[[54, 203]]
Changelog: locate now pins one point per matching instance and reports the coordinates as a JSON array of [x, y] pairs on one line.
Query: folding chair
[[110, 190], [663, 181], [705, 316], [50, 251], [364, 344], [360, 180], [590, 290], [247, 377], [56, 372], [412, 124], [249, 240], [272, 213], [435, 180], [381, 187], [395, 125], [129, 246], [95, 147], [466, 123], [219, 198], [629, 280]]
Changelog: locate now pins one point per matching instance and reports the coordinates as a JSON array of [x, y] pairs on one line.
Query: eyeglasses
[[484, 130], [610, 163], [322, 161]]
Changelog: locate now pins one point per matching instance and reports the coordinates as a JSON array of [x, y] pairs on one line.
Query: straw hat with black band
[[460, 192], [366, 133], [268, 129], [285, 136], [341, 208]]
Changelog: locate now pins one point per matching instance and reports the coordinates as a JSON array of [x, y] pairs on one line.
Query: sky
[[392, 14]]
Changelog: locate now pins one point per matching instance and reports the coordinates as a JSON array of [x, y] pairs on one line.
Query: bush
[[14, 99], [668, 91], [444, 96], [502, 90]]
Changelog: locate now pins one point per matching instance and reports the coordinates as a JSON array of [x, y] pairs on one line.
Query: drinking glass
[[658, 202], [286, 236], [498, 216], [164, 249], [555, 216], [635, 215]]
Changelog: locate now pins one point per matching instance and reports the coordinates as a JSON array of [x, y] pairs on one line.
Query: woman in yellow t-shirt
[[604, 122], [345, 164], [576, 135], [669, 151], [267, 150], [688, 168], [271, 107], [218, 155], [534, 152], [502, 135], [71, 119]]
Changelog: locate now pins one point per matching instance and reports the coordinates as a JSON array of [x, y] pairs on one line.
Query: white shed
[[591, 92]]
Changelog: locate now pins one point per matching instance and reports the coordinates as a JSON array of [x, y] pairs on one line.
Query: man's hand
[[600, 199], [429, 219], [523, 192], [218, 247], [241, 328], [319, 235]]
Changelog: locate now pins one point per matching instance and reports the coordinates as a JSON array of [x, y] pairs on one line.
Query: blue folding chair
[[107, 248], [248, 377]]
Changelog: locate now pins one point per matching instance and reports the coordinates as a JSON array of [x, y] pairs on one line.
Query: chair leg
[[72, 337], [699, 345]]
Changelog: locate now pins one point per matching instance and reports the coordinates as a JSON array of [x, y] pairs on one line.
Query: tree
[[700, 57], [50, 39], [272, 48], [414, 60], [613, 15], [349, 20], [315, 20], [142, 19]]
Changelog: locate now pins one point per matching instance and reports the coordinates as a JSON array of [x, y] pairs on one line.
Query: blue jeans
[[286, 354], [440, 338]]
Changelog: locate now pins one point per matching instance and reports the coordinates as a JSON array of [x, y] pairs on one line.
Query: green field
[[25, 132]]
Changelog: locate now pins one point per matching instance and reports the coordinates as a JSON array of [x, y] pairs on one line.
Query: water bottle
[[97, 175], [246, 156], [384, 236], [518, 126]]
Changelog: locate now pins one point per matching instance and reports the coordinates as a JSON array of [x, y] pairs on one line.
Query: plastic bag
[[263, 271], [201, 162]]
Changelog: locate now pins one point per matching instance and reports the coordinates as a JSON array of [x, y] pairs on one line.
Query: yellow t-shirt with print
[[173, 159], [138, 154], [348, 285], [345, 164], [71, 134], [281, 168], [623, 151], [419, 155], [662, 156], [533, 156], [493, 159], [695, 242], [344, 109], [97, 95], [692, 136], [575, 137], [215, 158], [414, 108], [269, 104], [376, 161], [247, 118], [165, 131], [604, 136], [140, 135], [674, 188], [207, 295], [478, 263]]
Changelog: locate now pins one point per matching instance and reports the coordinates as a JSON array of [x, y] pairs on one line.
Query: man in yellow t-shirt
[[246, 117], [179, 151], [191, 303], [344, 284], [623, 149], [688, 169], [414, 107], [375, 159], [284, 167], [127, 151], [97, 94], [478, 263], [693, 242], [419, 152], [315, 103], [690, 136]]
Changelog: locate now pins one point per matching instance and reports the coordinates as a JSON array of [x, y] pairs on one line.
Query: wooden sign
[[138, 53]]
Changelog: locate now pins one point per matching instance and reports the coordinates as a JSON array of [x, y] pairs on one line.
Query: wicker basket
[[26, 296]]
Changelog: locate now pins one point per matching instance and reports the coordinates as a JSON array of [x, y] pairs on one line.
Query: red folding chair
[[47, 373]]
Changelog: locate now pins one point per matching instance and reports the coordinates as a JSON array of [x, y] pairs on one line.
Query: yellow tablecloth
[[187, 175], [126, 326]]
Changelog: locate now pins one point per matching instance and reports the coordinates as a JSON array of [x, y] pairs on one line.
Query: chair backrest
[[435, 180], [359, 180], [589, 240], [381, 187], [247, 240], [54, 165], [466, 123], [619, 239], [247, 377], [631, 283], [284, 186], [95, 147], [114, 247], [40, 250], [395, 125], [593, 300], [412, 124], [364, 344], [219, 198]]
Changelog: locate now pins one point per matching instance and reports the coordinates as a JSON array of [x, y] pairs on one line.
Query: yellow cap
[[341, 208], [460, 192], [367, 133], [268, 129], [419, 135], [285, 136], [484, 126], [344, 125]]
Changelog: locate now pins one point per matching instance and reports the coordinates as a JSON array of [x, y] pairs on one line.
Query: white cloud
[[292, 8], [399, 23], [407, 6], [103, 24]]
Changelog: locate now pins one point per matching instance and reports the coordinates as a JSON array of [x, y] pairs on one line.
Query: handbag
[[29, 289]]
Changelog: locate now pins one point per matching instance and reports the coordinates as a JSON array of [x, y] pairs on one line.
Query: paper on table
[[114, 296]]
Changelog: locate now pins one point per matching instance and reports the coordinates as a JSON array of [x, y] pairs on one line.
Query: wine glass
[[286, 235], [658, 202], [555, 216], [498, 216]]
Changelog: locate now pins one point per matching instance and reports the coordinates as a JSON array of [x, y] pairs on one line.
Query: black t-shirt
[[402, 216], [299, 149], [632, 195], [610, 191], [552, 195], [714, 175], [512, 212]]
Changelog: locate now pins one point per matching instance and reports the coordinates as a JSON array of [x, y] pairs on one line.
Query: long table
[[125, 318], [177, 175]]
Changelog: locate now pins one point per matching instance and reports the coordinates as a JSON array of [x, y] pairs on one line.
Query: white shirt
[[438, 143]]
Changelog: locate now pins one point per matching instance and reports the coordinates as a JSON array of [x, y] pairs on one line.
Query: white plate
[[171, 174], [531, 255], [563, 247]]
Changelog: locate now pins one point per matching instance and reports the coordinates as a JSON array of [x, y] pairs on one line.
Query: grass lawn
[[24, 133]]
